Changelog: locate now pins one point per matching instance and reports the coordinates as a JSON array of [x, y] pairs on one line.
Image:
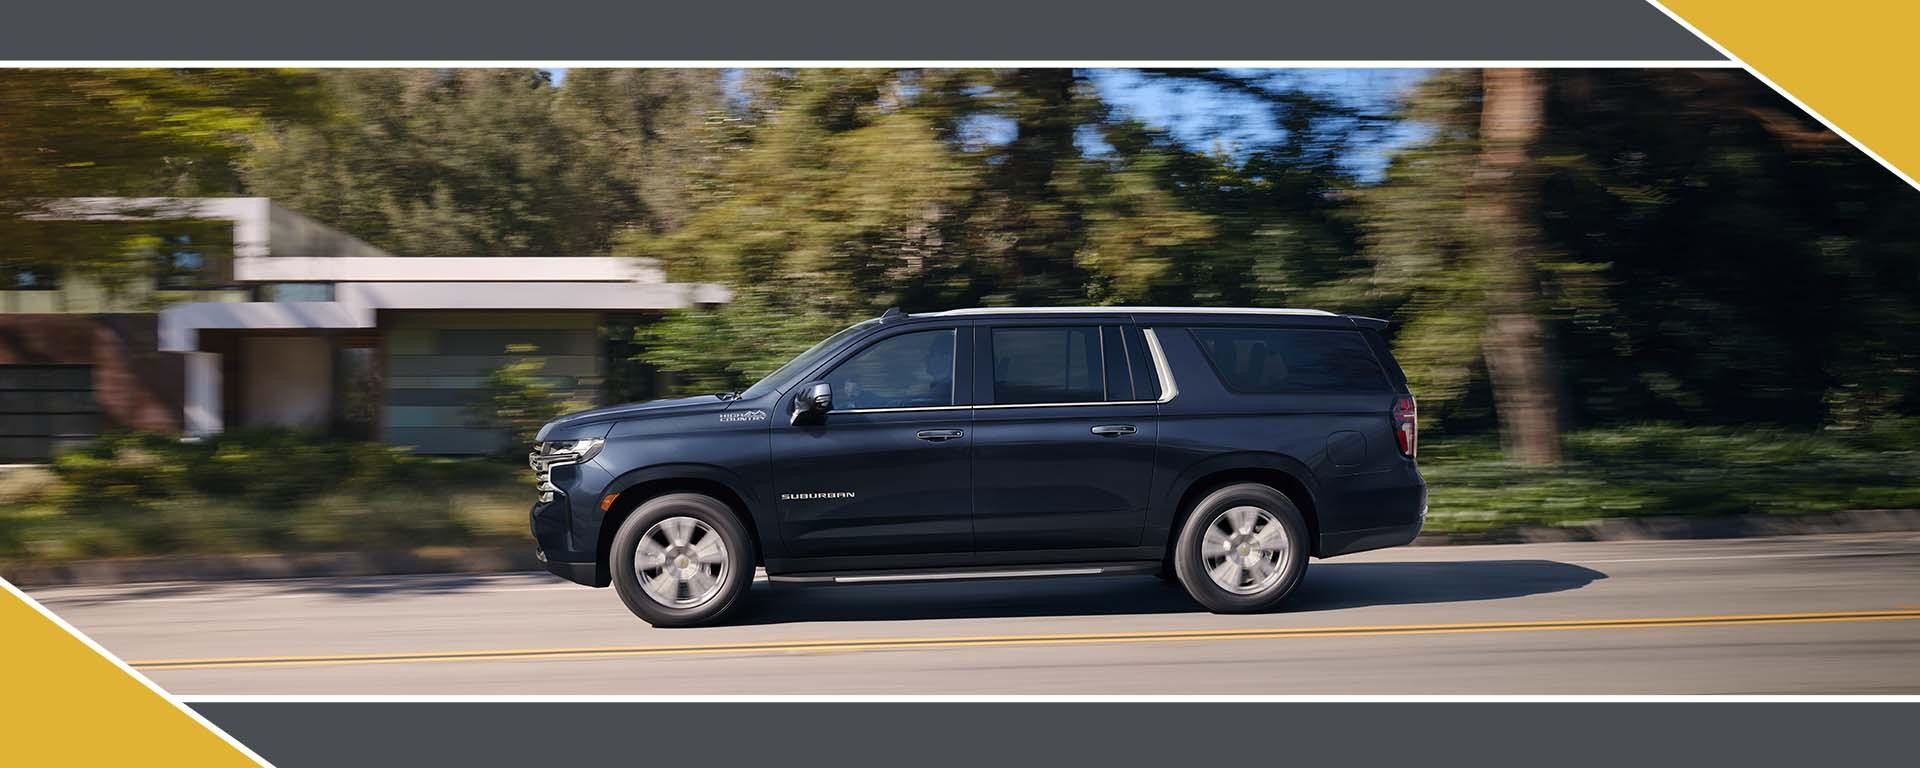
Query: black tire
[[1189, 564], [734, 579]]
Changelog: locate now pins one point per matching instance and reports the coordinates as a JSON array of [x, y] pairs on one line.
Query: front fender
[[758, 511]]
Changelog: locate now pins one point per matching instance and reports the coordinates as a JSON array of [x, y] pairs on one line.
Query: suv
[[1217, 447]]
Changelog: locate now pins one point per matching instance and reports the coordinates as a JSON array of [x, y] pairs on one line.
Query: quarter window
[[1291, 360], [1055, 364], [912, 370]]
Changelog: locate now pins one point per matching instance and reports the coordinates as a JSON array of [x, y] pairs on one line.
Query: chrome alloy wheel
[[1245, 550], [681, 562]]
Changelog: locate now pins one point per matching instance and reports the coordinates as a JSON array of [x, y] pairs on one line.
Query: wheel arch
[[634, 488], [1281, 473]]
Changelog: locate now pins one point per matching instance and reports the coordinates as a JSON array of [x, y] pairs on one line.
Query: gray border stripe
[[930, 735], [838, 30]]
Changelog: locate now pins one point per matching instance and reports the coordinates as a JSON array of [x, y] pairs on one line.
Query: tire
[[1262, 574], [701, 549]]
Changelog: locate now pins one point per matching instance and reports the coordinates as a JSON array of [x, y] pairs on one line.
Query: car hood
[[575, 425]]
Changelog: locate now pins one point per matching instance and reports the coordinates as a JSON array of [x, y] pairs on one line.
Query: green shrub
[[518, 402]]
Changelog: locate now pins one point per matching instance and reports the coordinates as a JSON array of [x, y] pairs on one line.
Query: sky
[[1229, 122]]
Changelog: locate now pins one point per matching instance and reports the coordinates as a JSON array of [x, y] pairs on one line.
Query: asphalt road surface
[[1821, 614]]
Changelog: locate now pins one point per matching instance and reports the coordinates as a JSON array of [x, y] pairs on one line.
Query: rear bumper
[[1349, 542]]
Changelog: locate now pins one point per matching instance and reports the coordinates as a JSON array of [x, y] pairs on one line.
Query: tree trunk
[[1519, 364], [1045, 228]]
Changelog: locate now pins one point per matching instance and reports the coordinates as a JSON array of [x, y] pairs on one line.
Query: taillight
[[1406, 426]]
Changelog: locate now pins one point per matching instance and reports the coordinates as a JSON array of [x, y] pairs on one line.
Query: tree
[[468, 162], [135, 132], [1670, 245], [836, 198]]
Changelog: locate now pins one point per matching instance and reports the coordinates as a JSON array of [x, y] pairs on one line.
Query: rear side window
[[1382, 354], [1291, 360], [1054, 364]]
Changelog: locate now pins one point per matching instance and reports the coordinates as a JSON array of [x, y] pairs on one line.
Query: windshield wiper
[[727, 395]]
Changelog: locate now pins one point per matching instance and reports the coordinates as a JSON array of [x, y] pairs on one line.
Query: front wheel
[[1242, 550], [682, 560]]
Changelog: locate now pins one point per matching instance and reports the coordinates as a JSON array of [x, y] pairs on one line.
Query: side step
[[964, 574]]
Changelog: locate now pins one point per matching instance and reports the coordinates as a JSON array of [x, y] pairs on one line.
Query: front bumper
[[585, 573], [549, 523]]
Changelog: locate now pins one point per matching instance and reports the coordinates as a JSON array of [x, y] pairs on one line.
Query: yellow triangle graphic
[[1846, 61], [63, 703]]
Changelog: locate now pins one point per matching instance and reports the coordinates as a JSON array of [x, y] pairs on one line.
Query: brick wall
[[136, 385]]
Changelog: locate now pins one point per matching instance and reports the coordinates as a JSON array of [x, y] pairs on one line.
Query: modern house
[[276, 320]]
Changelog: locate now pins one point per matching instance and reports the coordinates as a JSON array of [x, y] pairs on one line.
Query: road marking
[[990, 641]]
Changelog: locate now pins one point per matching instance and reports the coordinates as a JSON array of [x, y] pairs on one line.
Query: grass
[[255, 492], [1670, 470], [285, 492]]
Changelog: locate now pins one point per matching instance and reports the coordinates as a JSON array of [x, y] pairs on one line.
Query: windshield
[[806, 359]]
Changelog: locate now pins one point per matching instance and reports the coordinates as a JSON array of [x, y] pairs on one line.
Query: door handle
[[939, 435], [1113, 430]]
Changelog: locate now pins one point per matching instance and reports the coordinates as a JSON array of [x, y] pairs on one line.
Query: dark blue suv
[[1217, 447]]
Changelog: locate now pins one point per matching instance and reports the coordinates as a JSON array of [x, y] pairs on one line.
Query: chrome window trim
[[1168, 388], [904, 409], [1066, 405]]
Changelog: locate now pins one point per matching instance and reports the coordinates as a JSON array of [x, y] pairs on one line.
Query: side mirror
[[813, 402]]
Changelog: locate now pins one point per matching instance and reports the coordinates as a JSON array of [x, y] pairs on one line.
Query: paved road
[[1826, 614]]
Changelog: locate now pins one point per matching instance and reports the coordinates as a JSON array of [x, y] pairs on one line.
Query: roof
[[1125, 311]]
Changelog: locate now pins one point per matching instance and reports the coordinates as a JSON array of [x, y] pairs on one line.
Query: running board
[[875, 577]]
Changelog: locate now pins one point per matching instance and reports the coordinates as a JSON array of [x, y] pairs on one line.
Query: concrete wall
[[437, 365]]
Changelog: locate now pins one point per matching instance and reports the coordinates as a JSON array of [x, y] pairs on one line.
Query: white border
[[131, 672]]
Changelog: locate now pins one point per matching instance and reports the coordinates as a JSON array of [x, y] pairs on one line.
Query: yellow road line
[[991, 641]]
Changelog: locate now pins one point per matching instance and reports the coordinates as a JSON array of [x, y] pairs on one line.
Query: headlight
[[569, 452], [546, 456]]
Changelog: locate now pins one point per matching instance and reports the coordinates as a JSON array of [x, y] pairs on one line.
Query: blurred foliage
[[264, 491], [517, 400], [836, 194], [133, 132], [1667, 470], [484, 162], [1681, 245], [1709, 256]]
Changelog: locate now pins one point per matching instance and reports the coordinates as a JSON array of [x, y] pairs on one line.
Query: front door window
[[912, 370]]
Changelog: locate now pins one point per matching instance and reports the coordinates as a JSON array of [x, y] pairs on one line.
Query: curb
[[508, 559]]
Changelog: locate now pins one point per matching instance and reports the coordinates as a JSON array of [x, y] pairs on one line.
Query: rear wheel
[[1243, 549], [682, 560]]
